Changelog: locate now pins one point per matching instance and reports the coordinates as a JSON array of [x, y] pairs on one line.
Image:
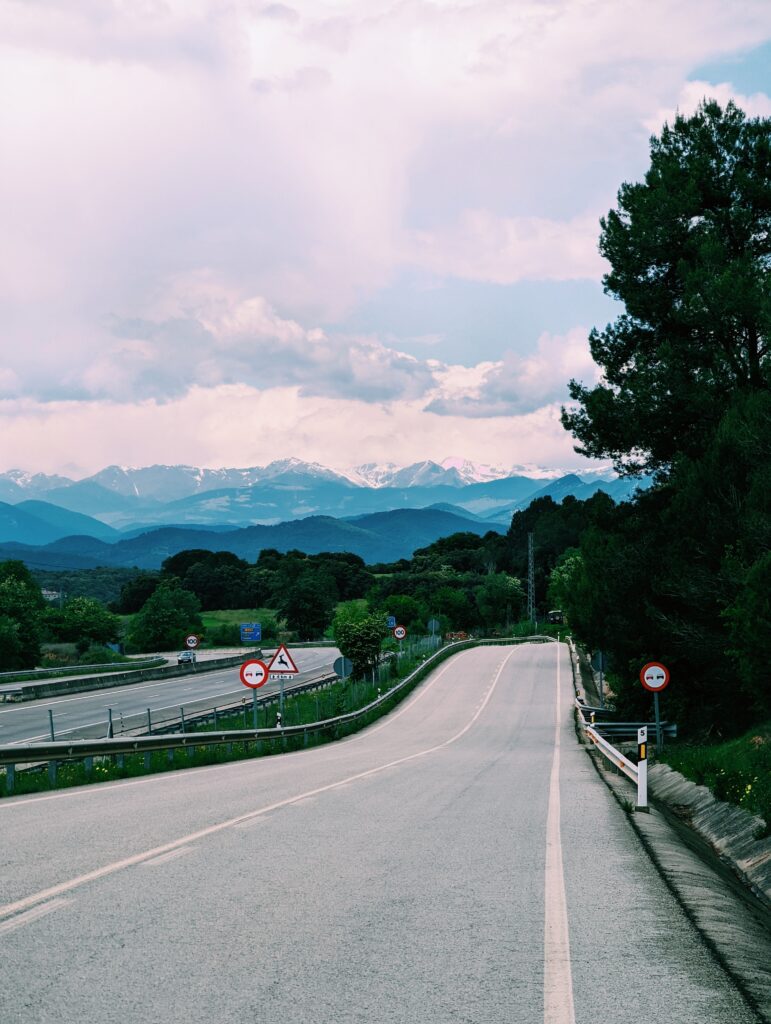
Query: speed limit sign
[[400, 632], [192, 641]]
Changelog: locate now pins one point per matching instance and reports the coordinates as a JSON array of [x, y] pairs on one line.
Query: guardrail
[[638, 772], [87, 749], [30, 675], [33, 690]]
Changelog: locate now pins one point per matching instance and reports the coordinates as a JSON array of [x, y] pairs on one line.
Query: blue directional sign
[[391, 621], [250, 632]]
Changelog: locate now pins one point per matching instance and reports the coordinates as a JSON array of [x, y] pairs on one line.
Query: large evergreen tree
[[690, 256], [686, 394]]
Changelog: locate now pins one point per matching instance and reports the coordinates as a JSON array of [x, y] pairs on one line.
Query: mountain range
[[299, 501]]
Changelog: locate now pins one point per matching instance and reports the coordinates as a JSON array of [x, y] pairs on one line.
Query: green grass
[[737, 771], [299, 709], [235, 616]]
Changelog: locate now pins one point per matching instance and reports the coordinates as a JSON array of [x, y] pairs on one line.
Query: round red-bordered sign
[[399, 632], [654, 676], [253, 673]]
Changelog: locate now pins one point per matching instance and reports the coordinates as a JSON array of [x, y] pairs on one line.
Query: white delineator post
[[642, 769]]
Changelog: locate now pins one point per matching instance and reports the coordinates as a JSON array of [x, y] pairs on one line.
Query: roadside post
[[642, 769], [598, 664], [400, 632], [51, 724], [655, 677], [254, 674], [282, 666], [192, 642]]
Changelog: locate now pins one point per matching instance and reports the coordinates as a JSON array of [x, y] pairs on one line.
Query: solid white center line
[[32, 915], [557, 976], [171, 855], [140, 858]]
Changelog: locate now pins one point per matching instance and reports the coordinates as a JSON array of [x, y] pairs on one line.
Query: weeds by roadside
[[737, 771]]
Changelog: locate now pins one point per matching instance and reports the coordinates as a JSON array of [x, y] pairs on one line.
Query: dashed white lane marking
[[32, 915], [176, 777], [171, 855], [557, 975], [141, 858]]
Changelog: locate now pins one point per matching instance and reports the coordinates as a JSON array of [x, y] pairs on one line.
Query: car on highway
[[186, 658]]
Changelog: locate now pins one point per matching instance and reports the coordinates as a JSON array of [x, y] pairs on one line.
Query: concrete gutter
[[733, 919], [731, 831], [82, 684]]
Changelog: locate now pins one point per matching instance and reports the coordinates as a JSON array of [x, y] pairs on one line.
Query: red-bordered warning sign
[[282, 663], [254, 673], [654, 676]]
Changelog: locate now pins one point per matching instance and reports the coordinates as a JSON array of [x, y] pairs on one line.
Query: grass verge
[[737, 771], [299, 709]]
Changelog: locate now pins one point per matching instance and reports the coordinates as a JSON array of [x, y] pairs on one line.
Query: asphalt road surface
[[458, 861], [85, 714]]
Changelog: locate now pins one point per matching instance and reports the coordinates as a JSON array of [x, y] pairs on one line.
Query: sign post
[[399, 633], [281, 667], [642, 769], [254, 674], [655, 677]]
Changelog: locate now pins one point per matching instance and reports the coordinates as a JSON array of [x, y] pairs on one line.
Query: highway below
[[86, 714], [460, 860]]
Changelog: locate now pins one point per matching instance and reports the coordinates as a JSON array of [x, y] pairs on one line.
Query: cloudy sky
[[342, 230]]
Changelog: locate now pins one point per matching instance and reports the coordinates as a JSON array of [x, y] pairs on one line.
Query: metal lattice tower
[[530, 580]]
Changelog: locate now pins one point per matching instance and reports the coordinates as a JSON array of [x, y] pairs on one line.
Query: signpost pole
[[659, 733], [642, 769], [254, 708], [602, 688], [281, 698]]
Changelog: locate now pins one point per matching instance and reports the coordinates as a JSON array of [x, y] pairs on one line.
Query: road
[[460, 861], [85, 714]]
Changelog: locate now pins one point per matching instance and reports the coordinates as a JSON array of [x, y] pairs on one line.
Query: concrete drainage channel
[[707, 854]]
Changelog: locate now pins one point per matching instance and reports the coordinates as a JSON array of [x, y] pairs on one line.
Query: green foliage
[[21, 617], [681, 574], [360, 638], [500, 600], [82, 621], [134, 593], [97, 654], [309, 604], [689, 250], [738, 770], [103, 584], [219, 579], [166, 618], [750, 635]]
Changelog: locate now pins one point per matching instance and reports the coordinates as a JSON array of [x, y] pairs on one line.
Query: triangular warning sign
[[282, 662]]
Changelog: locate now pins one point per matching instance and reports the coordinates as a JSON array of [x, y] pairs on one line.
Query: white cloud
[[518, 385], [694, 92], [189, 189], [505, 250], [238, 425]]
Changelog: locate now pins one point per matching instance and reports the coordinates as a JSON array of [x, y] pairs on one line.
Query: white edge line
[[558, 1005], [8, 803], [138, 858], [32, 915]]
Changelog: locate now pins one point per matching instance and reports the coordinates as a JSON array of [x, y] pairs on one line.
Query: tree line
[[679, 574]]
